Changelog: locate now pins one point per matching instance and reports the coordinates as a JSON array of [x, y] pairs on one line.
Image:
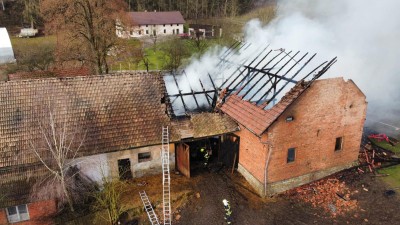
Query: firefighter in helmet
[[228, 211], [207, 154]]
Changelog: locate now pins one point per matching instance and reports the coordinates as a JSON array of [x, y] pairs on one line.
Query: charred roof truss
[[259, 75]]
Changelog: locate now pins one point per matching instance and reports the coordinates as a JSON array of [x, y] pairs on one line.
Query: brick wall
[[40, 213], [252, 153], [3, 217], [329, 109]]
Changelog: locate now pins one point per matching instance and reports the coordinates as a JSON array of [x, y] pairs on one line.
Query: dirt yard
[[373, 207], [198, 201]]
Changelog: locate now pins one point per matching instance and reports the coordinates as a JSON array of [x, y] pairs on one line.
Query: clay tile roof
[[114, 112], [154, 18], [66, 72], [256, 118], [204, 125]]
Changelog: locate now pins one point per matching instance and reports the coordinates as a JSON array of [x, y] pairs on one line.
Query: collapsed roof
[[241, 72]]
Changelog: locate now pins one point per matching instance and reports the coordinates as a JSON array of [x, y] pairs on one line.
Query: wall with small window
[[319, 133], [37, 213], [154, 30]]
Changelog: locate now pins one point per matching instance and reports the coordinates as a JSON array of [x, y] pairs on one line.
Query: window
[[144, 157], [147, 25], [165, 31], [177, 31], [17, 213], [163, 25], [140, 32], [339, 143], [291, 155], [289, 119], [173, 31], [147, 31]]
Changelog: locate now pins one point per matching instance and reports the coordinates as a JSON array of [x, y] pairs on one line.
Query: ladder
[[149, 208], [166, 176]]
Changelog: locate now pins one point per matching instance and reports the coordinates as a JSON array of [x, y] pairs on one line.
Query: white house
[[153, 24], [6, 51]]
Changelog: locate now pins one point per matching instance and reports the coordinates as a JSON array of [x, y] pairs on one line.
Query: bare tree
[[56, 145], [31, 11], [175, 52], [92, 22], [109, 199]]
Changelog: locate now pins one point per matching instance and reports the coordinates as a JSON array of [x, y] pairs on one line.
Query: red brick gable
[[256, 118]]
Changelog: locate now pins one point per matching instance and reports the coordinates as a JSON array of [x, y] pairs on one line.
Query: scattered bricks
[[330, 194]]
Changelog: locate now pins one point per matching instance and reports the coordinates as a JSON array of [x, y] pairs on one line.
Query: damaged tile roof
[[204, 125], [254, 117], [111, 112]]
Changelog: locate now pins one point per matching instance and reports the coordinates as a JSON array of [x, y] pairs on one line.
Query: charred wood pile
[[373, 156]]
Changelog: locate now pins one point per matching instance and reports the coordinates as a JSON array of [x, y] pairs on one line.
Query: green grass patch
[[23, 43], [385, 145], [393, 179], [158, 54]]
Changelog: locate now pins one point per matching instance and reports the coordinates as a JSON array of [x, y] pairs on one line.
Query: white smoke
[[364, 35]]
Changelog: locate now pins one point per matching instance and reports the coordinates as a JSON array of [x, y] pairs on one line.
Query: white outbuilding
[[6, 50]]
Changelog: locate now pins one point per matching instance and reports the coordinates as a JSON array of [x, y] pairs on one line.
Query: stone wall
[[107, 163]]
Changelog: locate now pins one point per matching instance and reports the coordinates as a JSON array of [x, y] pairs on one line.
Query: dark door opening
[[229, 153], [124, 169], [221, 151]]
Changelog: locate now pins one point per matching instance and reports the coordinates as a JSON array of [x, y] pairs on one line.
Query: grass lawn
[[385, 145], [158, 57], [23, 43], [393, 180]]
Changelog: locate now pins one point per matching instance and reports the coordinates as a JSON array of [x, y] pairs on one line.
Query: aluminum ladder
[[149, 208], [166, 177]]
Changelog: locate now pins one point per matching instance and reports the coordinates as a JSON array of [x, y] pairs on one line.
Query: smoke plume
[[364, 35]]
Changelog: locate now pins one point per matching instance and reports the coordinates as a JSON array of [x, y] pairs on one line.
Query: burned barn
[[268, 115], [294, 127]]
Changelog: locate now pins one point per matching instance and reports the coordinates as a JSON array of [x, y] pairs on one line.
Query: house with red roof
[[155, 23], [312, 132]]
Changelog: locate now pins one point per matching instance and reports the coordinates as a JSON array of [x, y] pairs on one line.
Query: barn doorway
[[124, 169], [223, 151]]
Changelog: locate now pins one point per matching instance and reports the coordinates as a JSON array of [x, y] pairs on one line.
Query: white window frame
[[19, 216]]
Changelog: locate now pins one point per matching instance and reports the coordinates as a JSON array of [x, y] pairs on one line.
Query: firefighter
[[228, 211], [207, 154]]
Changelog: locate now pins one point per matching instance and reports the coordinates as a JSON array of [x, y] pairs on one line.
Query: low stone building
[[146, 24], [114, 120], [309, 134]]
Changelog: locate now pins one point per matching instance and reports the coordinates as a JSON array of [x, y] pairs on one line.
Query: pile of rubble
[[330, 194]]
